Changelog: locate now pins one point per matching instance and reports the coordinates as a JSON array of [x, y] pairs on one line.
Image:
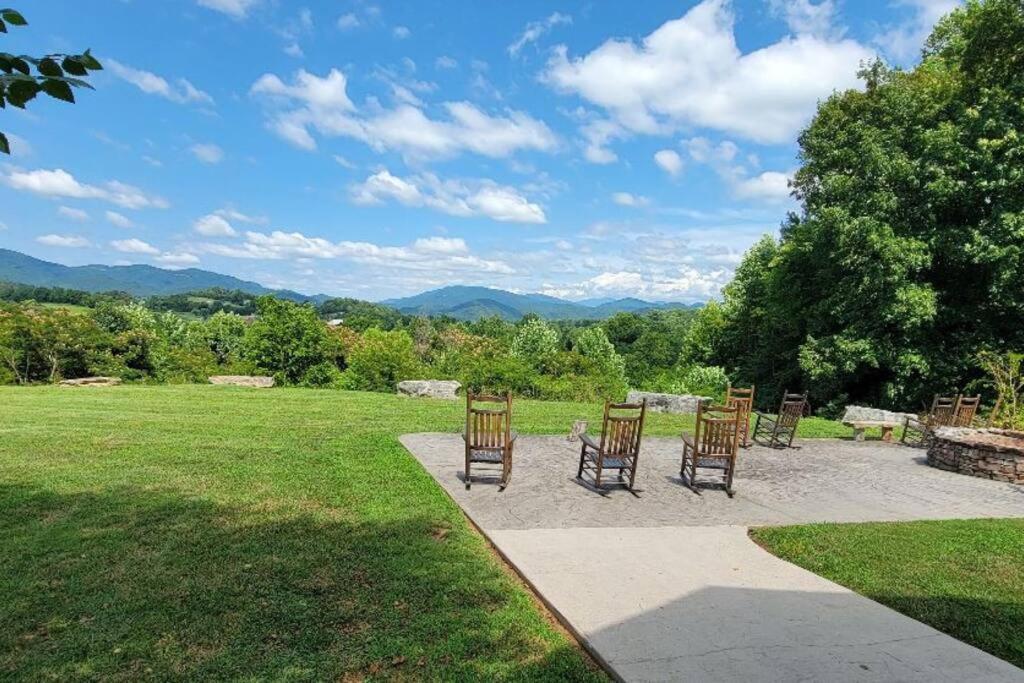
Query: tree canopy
[[907, 257]]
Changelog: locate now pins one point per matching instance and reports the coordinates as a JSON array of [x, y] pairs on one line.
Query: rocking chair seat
[[485, 456], [713, 463], [610, 462]]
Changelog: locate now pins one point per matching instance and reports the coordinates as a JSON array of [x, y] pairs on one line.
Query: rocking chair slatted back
[[487, 428], [943, 410], [966, 409], [717, 430], [791, 410], [620, 434], [743, 401]]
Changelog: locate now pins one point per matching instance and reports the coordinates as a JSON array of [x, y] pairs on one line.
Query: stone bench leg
[[886, 433], [858, 433]]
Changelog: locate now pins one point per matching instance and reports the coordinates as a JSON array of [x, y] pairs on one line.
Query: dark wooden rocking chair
[[966, 410], [743, 401], [712, 445], [489, 437], [942, 413], [619, 448], [777, 431]]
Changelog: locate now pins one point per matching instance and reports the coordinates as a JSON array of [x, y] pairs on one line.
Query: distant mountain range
[[460, 302], [138, 280], [471, 303]]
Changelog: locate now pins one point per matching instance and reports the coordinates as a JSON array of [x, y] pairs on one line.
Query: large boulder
[[252, 381], [92, 382], [862, 414], [430, 388], [683, 404]]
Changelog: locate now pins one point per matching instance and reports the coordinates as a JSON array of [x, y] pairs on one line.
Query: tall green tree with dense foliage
[[380, 360], [907, 256], [290, 342], [23, 77]]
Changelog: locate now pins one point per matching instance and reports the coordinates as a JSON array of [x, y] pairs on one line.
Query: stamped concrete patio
[[666, 585]]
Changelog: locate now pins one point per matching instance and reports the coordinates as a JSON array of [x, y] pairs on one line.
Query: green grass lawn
[[184, 532], [962, 577]]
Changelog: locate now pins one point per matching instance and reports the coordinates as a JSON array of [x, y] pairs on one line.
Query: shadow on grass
[[132, 583]]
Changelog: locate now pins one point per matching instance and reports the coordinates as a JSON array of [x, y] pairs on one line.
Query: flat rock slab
[[252, 381], [823, 481], [707, 604], [91, 382], [430, 388]]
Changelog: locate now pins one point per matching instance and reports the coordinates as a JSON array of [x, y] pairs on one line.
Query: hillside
[[470, 303], [138, 280]]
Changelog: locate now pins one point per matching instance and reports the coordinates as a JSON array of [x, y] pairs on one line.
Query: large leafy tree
[[23, 77], [907, 257]]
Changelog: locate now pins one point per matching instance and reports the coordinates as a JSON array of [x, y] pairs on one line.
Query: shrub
[[224, 334], [536, 343], [380, 360], [287, 339]]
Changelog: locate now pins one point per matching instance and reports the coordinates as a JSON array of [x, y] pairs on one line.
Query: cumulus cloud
[[237, 9], [214, 225], [348, 21], [134, 246], [177, 258], [454, 197], [401, 32], [70, 241], [535, 29], [119, 220], [432, 254], [628, 199], [690, 72], [321, 104], [72, 214], [768, 186], [669, 161], [445, 62], [182, 91], [903, 41], [207, 153], [804, 17], [60, 183], [771, 186]]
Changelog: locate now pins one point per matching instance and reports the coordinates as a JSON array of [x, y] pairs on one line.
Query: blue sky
[[375, 149]]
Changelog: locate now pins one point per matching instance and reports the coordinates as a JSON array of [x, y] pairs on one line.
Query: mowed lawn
[[217, 532], [962, 577]]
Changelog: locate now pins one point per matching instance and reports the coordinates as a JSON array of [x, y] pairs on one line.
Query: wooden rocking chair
[[489, 437], [743, 401], [619, 448], [712, 445], [966, 410], [778, 431], [942, 413]]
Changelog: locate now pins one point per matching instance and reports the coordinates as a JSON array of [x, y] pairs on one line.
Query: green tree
[[23, 77], [536, 342], [290, 342], [908, 252], [380, 360]]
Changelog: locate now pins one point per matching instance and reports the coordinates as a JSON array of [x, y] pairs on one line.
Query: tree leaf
[[13, 17], [5, 147], [58, 89], [3, 29], [48, 67], [74, 67], [21, 91], [20, 64], [90, 62]]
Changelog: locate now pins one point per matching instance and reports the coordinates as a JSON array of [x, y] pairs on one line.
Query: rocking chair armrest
[[589, 441], [689, 440], [766, 417], [512, 436]]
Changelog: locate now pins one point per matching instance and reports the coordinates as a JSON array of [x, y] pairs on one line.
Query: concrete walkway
[[666, 585]]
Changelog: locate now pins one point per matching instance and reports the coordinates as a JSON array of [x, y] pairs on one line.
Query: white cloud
[[236, 215], [182, 92], [294, 50], [445, 62], [454, 197], [669, 161], [425, 255], [213, 225], [60, 183], [134, 246], [401, 32], [119, 220], [903, 42], [690, 72], [322, 104], [207, 153], [72, 214], [804, 17], [70, 241], [348, 21], [236, 9], [628, 199], [177, 258], [535, 29], [770, 186]]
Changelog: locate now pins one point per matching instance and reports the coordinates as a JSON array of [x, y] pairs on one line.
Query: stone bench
[[680, 404], [861, 418]]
